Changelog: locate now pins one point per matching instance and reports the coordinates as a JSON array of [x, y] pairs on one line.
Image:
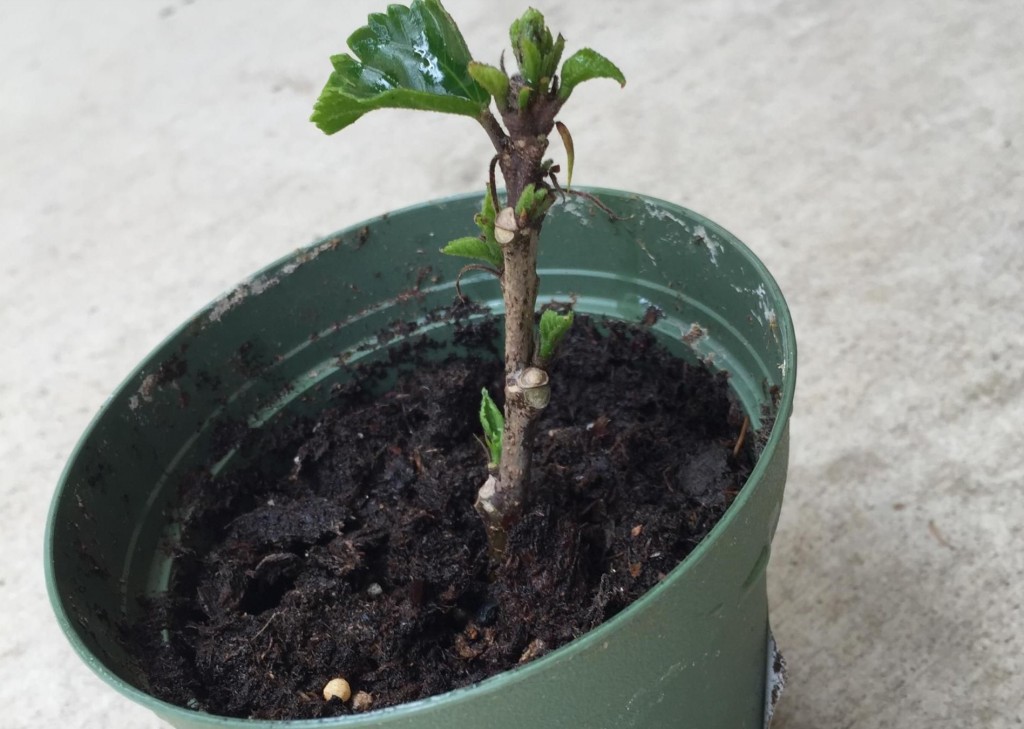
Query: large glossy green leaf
[[586, 64], [408, 58]]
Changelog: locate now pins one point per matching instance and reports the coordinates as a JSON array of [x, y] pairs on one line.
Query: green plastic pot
[[695, 651]]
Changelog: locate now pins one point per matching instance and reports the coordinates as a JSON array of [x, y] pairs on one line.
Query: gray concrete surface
[[153, 153]]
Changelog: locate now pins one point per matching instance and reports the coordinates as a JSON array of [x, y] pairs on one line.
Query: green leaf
[[586, 64], [487, 209], [484, 247], [532, 202], [409, 58], [553, 328], [485, 219], [493, 423], [475, 248], [525, 34], [536, 52], [524, 97], [493, 79], [553, 57], [530, 65], [541, 203], [526, 199]]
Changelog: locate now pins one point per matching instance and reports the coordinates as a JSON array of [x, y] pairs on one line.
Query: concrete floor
[[153, 153]]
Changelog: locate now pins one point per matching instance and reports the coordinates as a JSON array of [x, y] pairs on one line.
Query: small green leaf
[[493, 423], [526, 199], [541, 203], [530, 64], [553, 328], [533, 202], [487, 210], [526, 35], [484, 247], [553, 57], [493, 79], [475, 248], [409, 58], [536, 52], [524, 97], [485, 221], [586, 64]]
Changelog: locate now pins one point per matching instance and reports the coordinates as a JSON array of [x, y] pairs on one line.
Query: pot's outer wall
[[691, 653]]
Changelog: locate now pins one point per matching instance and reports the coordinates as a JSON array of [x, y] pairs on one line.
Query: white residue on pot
[[700, 233], [766, 309], [573, 206], [661, 214], [229, 301], [768, 312], [766, 316], [643, 247], [311, 255], [765, 312], [672, 671], [775, 681], [677, 235], [150, 383], [632, 717], [145, 391]]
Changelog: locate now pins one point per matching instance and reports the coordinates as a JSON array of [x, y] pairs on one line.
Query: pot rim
[[497, 682]]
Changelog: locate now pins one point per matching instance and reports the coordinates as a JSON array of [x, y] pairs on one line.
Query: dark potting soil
[[350, 547]]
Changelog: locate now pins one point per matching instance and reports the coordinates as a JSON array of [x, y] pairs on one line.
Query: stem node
[[533, 385], [505, 226]]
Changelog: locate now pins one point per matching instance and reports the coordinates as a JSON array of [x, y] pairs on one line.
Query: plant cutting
[[416, 58], [310, 522]]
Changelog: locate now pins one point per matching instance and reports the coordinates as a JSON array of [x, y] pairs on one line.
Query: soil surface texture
[[347, 546]]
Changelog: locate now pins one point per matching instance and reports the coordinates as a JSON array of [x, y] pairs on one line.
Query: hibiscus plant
[[416, 58]]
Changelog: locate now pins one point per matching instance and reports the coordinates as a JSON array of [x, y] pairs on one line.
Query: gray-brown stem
[[504, 496]]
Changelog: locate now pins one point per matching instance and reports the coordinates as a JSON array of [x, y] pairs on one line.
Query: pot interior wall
[[284, 337]]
